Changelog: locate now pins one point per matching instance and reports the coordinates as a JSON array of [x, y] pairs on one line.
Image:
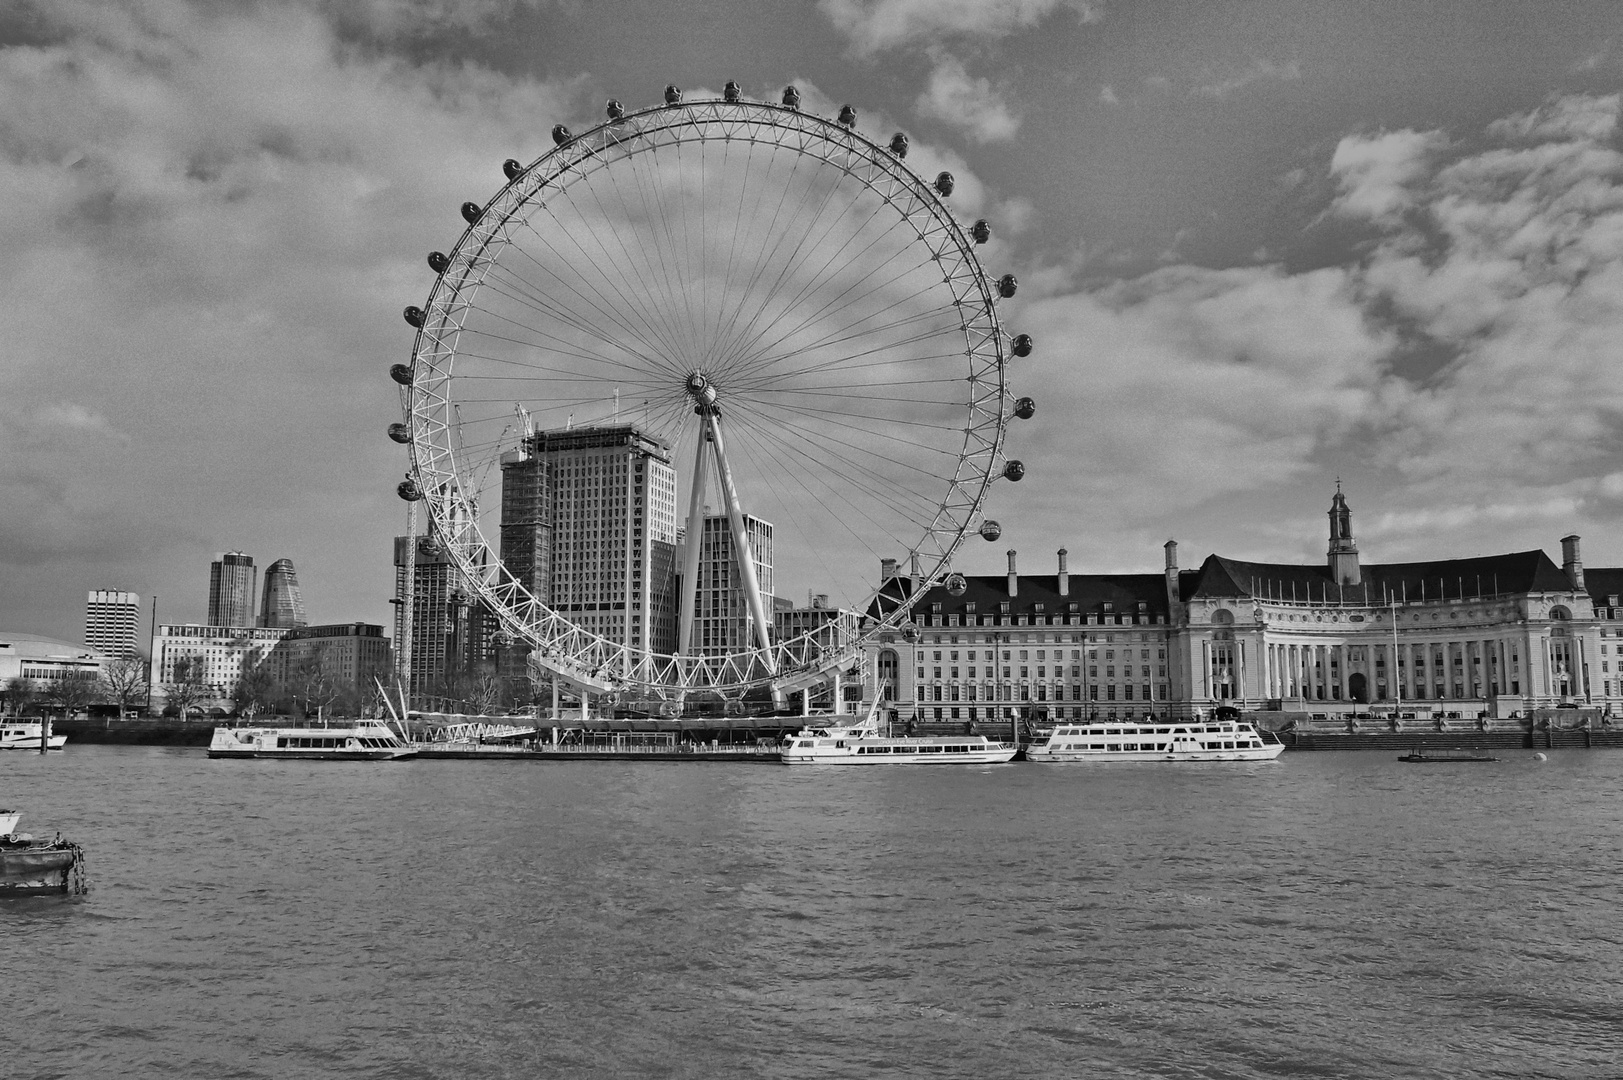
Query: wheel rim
[[822, 286]]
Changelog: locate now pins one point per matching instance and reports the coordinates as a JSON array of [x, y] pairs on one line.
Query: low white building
[[39, 660]]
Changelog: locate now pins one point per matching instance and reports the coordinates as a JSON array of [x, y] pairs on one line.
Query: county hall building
[[1480, 638]]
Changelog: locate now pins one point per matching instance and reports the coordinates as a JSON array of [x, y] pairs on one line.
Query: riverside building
[[589, 527], [1477, 638], [112, 622], [281, 604], [232, 578]]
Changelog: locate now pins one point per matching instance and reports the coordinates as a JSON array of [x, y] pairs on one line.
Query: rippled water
[[1324, 915]]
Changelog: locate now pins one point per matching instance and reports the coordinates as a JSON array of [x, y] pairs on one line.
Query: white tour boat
[[362, 741], [861, 744], [16, 735], [1185, 740]]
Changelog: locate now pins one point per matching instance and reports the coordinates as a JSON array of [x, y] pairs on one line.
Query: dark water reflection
[[1326, 915]]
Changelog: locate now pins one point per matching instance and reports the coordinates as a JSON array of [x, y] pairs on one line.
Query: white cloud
[[967, 102], [212, 219], [1108, 95], [1375, 172], [875, 25], [1574, 117], [1224, 86], [1472, 359]]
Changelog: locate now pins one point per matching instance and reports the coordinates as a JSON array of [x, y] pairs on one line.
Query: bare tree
[[484, 692], [71, 691], [124, 681], [187, 688], [256, 688], [17, 694], [314, 685]]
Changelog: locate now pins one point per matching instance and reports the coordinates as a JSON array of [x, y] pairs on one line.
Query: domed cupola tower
[[1343, 548]]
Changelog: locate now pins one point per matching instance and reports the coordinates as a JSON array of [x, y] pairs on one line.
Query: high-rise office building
[[612, 565], [722, 620], [281, 604], [112, 620], [232, 578]]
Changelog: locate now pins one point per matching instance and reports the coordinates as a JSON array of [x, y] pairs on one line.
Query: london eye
[[786, 346]]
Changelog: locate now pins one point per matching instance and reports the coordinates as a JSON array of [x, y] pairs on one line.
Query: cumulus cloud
[[212, 219], [875, 25], [1473, 357], [1375, 173], [967, 102]]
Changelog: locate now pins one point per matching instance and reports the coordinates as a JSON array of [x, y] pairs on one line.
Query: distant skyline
[[1261, 245]]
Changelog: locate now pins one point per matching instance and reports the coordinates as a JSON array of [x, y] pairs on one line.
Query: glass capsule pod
[[615, 109], [898, 144], [731, 92], [399, 432], [1025, 408], [1022, 345], [471, 212], [437, 262], [414, 316], [981, 231], [944, 184], [991, 530], [1014, 470], [511, 168], [560, 134], [673, 96], [400, 373], [1007, 285]]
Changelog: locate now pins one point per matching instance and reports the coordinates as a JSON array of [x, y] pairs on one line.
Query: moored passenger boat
[[861, 744], [363, 741], [1188, 740], [17, 735]]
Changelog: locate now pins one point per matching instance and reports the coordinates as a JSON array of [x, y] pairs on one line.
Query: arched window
[[1222, 617], [1560, 613]]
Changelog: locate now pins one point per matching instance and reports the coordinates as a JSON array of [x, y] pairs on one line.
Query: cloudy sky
[[1261, 245]]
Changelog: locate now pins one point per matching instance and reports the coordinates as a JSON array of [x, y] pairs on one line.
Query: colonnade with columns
[[1452, 667]]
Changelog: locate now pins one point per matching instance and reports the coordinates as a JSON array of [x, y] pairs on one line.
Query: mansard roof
[[1089, 592], [1603, 582], [1516, 572]]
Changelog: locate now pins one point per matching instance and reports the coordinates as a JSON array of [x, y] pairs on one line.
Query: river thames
[[1323, 915]]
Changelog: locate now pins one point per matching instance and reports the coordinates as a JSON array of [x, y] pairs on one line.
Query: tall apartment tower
[[452, 633], [232, 578], [612, 566], [721, 621], [112, 621], [281, 604]]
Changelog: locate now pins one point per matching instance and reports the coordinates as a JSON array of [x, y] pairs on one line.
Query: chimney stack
[[1014, 580], [1570, 560], [1172, 576], [887, 569], [1064, 575], [913, 566]]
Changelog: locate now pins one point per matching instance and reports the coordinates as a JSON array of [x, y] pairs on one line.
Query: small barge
[[1422, 756], [29, 866]]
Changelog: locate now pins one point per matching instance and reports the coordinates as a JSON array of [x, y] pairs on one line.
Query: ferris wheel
[[785, 353]]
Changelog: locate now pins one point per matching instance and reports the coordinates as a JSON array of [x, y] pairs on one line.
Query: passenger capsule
[[437, 262], [990, 530], [560, 134], [791, 97], [1022, 345], [400, 373], [943, 184], [414, 315], [673, 96], [981, 231], [615, 109], [848, 115], [511, 168], [1025, 408], [1006, 285], [407, 490], [1014, 470], [956, 585], [399, 432], [471, 212], [910, 630], [898, 144], [731, 92]]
